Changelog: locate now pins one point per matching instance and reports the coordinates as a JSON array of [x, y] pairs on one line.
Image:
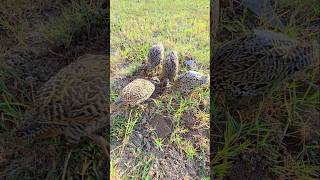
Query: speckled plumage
[[189, 81], [155, 56], [136, 92], [250, 65], [72, 103], [170, 67]]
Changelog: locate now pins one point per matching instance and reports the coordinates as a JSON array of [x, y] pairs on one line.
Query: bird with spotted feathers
[[72, 103], [253, 64], [136, 92], [189, 81], [170, 68], [155, 58]]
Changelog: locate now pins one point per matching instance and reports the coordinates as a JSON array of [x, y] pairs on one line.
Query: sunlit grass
[[182, 26], [179, 25]]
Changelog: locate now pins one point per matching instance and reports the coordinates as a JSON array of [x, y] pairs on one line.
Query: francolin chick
[[170, 68], [155, 57], [189, 81], [252, 64], [136, 92], [73, 103]]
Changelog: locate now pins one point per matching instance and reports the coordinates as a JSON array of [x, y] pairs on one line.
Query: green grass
[[67, 22], [79, 17], [135, 26], [13, 21], [11, 107], [159, 143], [282, 127], [182, 26]]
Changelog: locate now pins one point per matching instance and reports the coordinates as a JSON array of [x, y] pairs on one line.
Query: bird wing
[[77, 93]]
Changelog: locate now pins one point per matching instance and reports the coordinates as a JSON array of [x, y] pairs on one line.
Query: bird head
[[172, 57], [156, 51], [155, 80]]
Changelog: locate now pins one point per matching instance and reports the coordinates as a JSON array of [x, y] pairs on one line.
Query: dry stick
[[66, 165]]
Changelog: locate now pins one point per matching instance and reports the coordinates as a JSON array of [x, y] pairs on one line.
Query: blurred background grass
[[180, 25]]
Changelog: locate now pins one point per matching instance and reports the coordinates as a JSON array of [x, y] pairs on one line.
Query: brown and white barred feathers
[[155, 56], [189, 81], [72, 103], [38, 130], [136, 92], [252, 64], [170, 67]]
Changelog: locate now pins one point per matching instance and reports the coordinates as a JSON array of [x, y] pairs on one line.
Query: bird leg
[[157, 70], [99, 140], [143, 107]]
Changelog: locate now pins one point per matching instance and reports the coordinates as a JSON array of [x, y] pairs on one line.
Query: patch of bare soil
[[169, 162], [162, 125], [251, 165], [254, 163], [172, 164]]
